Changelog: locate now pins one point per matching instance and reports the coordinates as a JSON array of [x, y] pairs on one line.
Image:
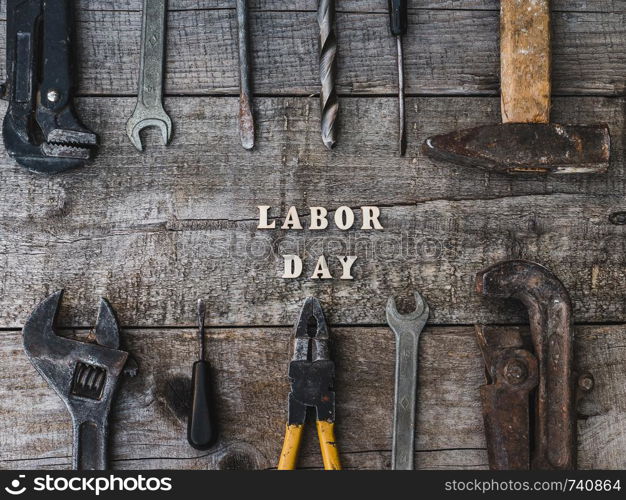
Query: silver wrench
[[149, 110], [407, 328]]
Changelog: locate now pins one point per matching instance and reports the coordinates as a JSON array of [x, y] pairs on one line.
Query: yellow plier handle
[[328, 446]]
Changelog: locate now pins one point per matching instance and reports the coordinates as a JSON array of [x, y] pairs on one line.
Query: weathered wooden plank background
[[155, 231]]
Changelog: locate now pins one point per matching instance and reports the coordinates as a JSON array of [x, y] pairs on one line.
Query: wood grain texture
[[440, 57], [251, 386], [153, 232], [354, 5], [525, 63]]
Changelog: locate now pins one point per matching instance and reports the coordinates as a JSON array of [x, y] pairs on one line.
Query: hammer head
[[532, 148]]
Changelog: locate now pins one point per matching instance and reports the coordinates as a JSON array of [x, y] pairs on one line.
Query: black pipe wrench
[[41, 130]]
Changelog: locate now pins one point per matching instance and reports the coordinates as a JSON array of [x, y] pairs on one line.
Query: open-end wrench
[[149, 110], [84, 375], [407, 328]]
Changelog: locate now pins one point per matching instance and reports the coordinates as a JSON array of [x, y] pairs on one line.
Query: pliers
[[311, 374]]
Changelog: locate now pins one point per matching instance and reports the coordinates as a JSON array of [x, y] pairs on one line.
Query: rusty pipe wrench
[[515, 374], [407, 328], [149, 111], [84, 375]]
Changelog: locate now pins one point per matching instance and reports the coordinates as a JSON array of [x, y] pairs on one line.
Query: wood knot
[[176, 396], [239, 456], [618, 218]]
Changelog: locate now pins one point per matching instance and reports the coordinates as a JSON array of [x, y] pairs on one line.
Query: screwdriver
[[398, 23], [201, 431]]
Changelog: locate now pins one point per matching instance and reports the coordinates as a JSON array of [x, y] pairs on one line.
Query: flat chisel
[[246, 118]]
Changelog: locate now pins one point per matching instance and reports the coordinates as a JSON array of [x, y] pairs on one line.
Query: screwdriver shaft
[[246, 118], [328, 70], [401, 111], [201, 316], [398, 22]]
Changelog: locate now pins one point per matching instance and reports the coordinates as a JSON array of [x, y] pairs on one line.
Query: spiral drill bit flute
[[328, 70]]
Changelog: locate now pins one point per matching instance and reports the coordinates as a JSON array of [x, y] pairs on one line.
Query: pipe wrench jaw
[[40, 130], [522, 379]]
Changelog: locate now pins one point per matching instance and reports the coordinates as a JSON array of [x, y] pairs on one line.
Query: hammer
[[526, 141]]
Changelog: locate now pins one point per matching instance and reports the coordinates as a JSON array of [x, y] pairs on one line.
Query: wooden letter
[[293, 266], [263, 210], [346, 265], [340, 214], [321, 270], [292, 221], [370, 216], [318, 218]]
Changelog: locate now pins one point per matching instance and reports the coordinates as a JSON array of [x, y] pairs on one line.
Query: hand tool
[[311, 374], [518, 379], [328, 71], [526, 142], [41, 130], [201, 430], [398, 18], [246, 118], [407, 328], [149, 110], [84, 375]]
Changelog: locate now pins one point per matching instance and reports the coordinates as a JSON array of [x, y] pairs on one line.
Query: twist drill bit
[[398, 24], [246, 119], [328, 70]]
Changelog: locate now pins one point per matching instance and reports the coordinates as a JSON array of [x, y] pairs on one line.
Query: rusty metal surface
[[511, 371], [246, 118], [41, 130], [512, 374], [84, 375], [311, 370], [530, 148]]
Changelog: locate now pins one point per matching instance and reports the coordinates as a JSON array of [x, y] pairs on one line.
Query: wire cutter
[[311, 374]]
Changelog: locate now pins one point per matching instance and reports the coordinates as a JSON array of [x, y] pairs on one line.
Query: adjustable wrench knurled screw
[[149, 110], [407, 328]]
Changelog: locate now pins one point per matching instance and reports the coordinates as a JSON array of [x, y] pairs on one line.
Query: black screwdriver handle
[[398, 17], [201, 429]]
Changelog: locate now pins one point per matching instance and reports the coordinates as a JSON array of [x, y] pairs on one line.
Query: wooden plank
[[447, 52], [354, 5], [154, 232], [250, 375]]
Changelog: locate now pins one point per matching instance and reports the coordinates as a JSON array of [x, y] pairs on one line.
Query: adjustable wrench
[[84, 375], [149, 110], [407, 328]]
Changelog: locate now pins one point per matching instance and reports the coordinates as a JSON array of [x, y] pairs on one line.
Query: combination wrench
[[407, 328], [149, 110]]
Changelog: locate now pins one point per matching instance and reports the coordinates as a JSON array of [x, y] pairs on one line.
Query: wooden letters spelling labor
[[343, 219]]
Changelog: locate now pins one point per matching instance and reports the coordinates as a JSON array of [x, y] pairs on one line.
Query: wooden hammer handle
[[525, 60]]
